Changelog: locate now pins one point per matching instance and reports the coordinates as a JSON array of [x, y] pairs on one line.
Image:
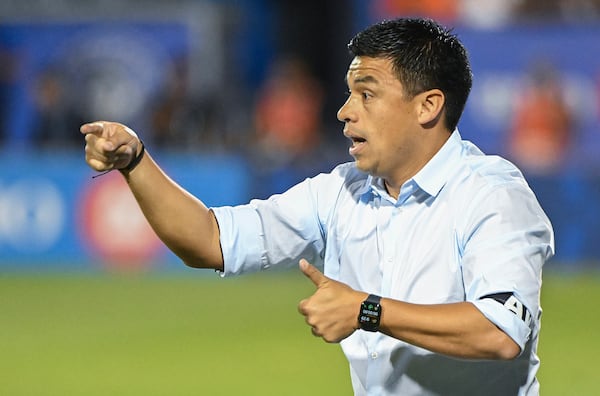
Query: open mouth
[[357, 144]]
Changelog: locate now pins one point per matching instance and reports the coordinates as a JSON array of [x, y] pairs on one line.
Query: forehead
[[371, 70]]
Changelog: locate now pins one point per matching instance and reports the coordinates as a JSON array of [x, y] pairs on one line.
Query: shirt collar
[[431, 178]]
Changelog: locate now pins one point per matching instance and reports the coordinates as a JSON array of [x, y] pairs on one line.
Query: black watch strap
[[135, 160], [370, 313]]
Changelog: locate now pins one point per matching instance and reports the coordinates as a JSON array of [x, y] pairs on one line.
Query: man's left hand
[[332, 311]]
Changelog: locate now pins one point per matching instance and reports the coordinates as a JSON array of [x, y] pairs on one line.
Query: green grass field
[[188, 333]]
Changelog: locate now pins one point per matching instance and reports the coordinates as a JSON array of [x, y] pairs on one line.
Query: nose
[[344, 114]]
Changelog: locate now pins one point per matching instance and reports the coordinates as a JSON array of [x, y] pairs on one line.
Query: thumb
[[312, 273]]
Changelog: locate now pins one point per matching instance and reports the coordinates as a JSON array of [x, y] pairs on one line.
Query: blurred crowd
[[284, 118], [494, 13]]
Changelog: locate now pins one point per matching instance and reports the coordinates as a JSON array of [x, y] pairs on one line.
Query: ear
[[430, 105]]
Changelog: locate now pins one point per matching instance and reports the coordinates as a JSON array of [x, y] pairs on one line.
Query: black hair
[[424, 55]]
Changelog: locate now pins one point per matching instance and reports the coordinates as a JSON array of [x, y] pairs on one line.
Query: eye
[[366, 95]]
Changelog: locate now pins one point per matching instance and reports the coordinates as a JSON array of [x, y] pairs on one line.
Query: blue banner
[[54, 215]]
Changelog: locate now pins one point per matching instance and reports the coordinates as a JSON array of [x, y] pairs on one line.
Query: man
[[432, 251]]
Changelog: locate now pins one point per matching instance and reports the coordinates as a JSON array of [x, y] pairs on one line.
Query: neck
[[393, 190], [393, 185]]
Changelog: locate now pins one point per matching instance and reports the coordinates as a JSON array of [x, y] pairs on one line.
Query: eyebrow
[[364, 80]]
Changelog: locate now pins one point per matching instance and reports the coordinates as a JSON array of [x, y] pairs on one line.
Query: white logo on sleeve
[[516, 307], [511, 303]]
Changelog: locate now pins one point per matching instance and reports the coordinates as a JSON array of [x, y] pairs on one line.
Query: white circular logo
[[32, 214]]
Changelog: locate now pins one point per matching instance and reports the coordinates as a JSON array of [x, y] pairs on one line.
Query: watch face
[[369, 316]]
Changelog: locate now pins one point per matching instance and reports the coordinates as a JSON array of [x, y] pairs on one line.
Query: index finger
[[96, 128]]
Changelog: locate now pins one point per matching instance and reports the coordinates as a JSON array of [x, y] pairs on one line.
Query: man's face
[[379, 120]]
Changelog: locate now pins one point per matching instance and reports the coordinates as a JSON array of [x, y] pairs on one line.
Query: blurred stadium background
[[237, 99]]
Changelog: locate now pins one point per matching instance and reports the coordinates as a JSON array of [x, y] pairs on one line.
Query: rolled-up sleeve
[[506, 321], [508, 241], [276, 232], [242, 239]]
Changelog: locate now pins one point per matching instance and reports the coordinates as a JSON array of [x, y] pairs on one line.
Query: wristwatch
[[370, 313]]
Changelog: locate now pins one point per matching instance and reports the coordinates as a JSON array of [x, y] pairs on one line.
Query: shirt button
[[373, 355]]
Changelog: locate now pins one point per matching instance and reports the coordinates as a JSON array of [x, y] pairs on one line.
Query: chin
[[361, 167]]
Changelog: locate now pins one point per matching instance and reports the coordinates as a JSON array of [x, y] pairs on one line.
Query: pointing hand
[[109, 145]]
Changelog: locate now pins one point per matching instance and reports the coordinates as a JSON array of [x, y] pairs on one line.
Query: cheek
[[392, 143], [394, 124], [389, 117], [387, 133], [387, 124]]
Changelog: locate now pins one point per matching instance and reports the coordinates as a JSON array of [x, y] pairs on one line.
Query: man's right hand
[[109, 145]]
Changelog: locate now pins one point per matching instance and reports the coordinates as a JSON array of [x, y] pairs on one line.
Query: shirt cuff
[[506, 320], [242, 240]]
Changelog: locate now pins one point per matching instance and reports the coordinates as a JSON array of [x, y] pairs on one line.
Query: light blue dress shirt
[[464, 227]]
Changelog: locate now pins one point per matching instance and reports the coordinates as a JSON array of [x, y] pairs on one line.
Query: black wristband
[[135, 161]]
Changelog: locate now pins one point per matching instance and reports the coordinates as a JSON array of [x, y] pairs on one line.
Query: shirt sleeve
[[242, 239], [276, 232], [507, 239]]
